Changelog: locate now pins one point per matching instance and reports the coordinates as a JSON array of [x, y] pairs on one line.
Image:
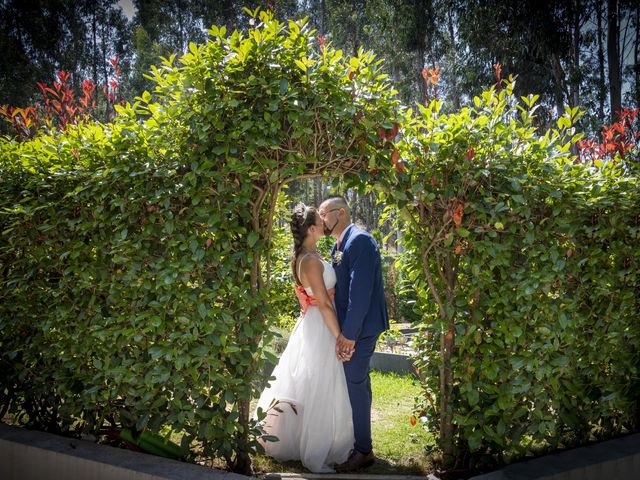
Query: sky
[[127, 8]]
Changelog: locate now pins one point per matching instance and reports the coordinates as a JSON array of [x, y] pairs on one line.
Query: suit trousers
[[356, 372]]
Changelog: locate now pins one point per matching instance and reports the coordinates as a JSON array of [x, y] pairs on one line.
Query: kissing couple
[[319, 404]]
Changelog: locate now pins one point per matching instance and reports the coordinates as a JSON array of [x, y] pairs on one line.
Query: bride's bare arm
[[311, 271]]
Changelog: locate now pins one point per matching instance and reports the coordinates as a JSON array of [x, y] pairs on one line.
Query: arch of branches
[[133, 293]]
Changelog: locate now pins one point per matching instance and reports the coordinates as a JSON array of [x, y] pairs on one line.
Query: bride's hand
[[344, 348]]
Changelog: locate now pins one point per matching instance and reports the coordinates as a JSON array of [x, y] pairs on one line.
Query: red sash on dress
[[307, 300]]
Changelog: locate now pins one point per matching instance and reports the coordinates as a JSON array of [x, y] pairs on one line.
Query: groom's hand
[[344, 348]]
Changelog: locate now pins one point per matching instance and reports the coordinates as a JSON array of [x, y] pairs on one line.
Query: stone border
[[392, 362], [33, 455], [617, 459], [344, 476]]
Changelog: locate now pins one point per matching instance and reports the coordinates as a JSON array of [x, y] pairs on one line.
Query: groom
[[362, 315]]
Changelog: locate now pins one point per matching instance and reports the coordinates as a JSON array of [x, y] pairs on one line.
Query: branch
[[432, 287], [269, 230]]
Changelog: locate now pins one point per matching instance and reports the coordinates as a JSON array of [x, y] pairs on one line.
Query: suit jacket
[[359, 296]]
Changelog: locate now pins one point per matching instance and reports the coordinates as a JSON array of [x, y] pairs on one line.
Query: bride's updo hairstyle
[[302, 218]]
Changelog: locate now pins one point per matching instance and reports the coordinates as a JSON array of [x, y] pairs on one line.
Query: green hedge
[[526, 268], [123, 296], [135, 287]]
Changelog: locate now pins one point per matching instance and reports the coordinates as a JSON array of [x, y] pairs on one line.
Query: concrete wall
[[31, 455], [392, 362], [617, 459]]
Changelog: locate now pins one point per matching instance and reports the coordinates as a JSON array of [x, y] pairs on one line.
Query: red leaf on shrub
[[470, 154], [393, 131], [63, 76], [323, 42], [433, 181], [457, 214], [398, 164], [431, 75]]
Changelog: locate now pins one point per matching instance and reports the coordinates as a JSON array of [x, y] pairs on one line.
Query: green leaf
[[252, 239], [203, 311]]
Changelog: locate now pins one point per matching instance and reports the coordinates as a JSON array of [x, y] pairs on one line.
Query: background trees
[[576, 52]]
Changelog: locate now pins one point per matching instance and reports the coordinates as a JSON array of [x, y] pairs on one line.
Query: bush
[[134, 284], [530, 259]]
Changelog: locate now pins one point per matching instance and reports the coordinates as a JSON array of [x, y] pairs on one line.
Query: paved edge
[[345, 476], [617, 459], [21, 451]]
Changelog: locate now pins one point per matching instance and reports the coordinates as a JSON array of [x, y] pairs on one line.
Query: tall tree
[[636, 54], [39, 38], [602, 89], [613, 58], [35, 37]]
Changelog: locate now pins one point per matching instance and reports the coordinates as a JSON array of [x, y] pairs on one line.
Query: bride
[[307, 405]]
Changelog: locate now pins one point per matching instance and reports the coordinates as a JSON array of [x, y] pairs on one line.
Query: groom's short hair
[[338, 201]]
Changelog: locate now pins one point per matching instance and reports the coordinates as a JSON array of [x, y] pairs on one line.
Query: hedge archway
[[131, 252], [143, 239]]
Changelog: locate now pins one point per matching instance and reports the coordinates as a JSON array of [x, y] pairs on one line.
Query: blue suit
[[362, 315]]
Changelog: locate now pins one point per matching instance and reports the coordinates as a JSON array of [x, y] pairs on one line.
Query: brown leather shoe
[[356, 461]]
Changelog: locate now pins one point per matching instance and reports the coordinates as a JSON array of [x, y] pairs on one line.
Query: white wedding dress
[[307, 404]]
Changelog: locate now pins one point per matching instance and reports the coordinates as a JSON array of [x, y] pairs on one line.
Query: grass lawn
[[398, 446]]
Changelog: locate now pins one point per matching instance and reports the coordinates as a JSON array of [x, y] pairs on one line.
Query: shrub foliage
[[530, 257], [133, 281], [135, 256]]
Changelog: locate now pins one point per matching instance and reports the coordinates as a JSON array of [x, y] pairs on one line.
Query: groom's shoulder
[[361, 237]]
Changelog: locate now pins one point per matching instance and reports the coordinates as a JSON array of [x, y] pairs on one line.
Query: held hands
[[344, 348]]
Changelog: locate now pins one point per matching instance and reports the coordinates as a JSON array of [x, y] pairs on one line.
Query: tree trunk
[[575, 54], [242, 464], [355, 30], [447, 341], [94, 28], [263, 227], [559, 76], [613, 59], [602, 82], [422, 15], [180, 11], [317, 192], [105, 71], [455, 97], [636, 65]]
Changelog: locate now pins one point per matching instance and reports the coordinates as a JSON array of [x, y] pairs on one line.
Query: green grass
[[399, 447]]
